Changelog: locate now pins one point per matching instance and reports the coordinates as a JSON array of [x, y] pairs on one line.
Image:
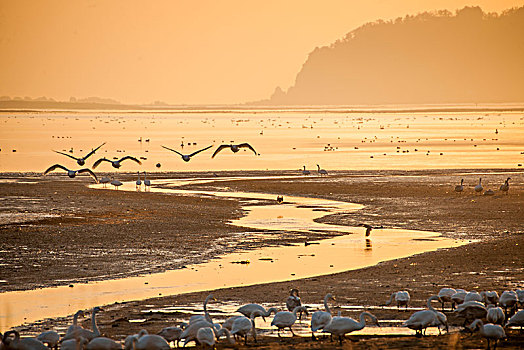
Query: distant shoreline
[[74, 107]]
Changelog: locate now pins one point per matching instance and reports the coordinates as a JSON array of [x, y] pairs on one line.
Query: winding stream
[[348, 251]]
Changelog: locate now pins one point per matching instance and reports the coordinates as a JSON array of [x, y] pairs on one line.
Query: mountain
[[437, 57]]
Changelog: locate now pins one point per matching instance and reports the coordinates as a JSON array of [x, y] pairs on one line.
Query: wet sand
[[417, 200]]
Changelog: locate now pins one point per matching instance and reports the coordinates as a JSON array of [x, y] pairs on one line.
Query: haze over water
[[285, 139]]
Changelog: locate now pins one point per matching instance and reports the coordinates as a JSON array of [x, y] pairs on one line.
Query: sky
[[179, 51]]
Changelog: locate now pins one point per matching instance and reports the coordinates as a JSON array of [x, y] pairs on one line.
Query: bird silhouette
[[81, 161], [187, 157], [234, 148], [71, 173], [115, 163]]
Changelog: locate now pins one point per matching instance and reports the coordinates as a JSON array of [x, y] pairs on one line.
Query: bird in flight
[[187, 157], [71, 173], [115, 163], [369, 228], [81, 161], [234, 148]]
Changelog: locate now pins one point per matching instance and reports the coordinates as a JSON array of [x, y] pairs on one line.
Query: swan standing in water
[[508, 299], [116, 183], [206, 315], [138, 181], [234, 148], [421, 320], [71, 173], [321, 172], [187, 157], [488, 331], [495, 315], [81, 161], [74, 344], [22, 344], [150, 342], [116, 163], [75, 324], [320, 319], [490, 297], [401, 298], [460, 188], [128, 342], [340, 326], [50, 338], [247, 310], [105, 180], [505, 186], [445, 295], [103, 343], [242, 326], [470, 311], [171, 334], [479, 187], [147, 183], [86, 333], [305, 172], [286, 319], [293, 300], [208, 336], [517, 320]]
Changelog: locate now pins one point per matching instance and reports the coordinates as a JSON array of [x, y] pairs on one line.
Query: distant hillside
[[469, 57], [25, 103]]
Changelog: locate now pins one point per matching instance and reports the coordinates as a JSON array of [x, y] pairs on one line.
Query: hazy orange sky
[[191, 51]]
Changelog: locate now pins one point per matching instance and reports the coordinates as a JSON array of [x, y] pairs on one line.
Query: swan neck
[[390, 298], [326, 306], [93, 323]]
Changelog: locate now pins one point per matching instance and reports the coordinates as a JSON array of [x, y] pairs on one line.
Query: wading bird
[[71, 173], [340, 326], [505, 186], [305, 172], [479, 187], [321, 172], [81, 161], [460, 188], [187, 157], [286, 319], [234, 148], [401, 298], [488, 331], [320, 319]]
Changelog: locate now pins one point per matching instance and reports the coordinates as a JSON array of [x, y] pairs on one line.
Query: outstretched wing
[[247, 145], [54, 167], [220, 148], [93, 151], [365, 225], [172, 150], [201, 150], [85, 170], [132, 158], [65, 154], [97, 163]]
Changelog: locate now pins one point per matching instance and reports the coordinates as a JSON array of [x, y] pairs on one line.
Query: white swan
[[150, 342], [402, 298], [22, 344], [285, 319], [208, 336], [460, 188], [171, 334], [128, 342], [229, 322], [103, 343], [71, 173], [75, 324], [305, 172], [86, 333], [293, 300], [495, 315], [189, 334], [242, 326], [74, 344], [470, 311], [50, 338], [490, 297], [105, 180], [421, 320], [321, 172], [517, 320], [340, 326], [138, 181], [248, 309], [234, 148], [206, 316], [445, 295], [320, 319], [473, 296], [505, 186], [116, 163], [187, 157], [81, 161], [479, 187], [458, 297], [147, 183], [508, 299], [488, 331]]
